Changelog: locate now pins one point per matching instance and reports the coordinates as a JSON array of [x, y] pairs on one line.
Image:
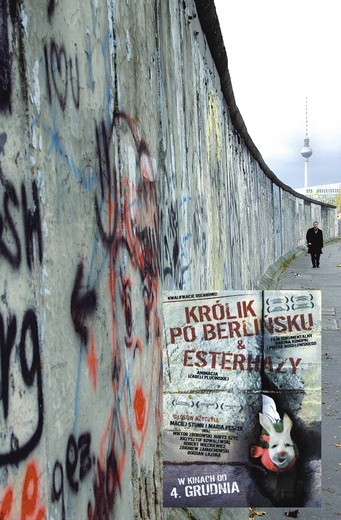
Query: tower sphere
[[306, 151]]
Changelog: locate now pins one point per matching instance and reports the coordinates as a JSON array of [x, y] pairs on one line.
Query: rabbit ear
[[266, 423], [269, 408], [287, 423]]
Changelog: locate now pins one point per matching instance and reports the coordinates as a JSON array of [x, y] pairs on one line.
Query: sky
[[280, 54]]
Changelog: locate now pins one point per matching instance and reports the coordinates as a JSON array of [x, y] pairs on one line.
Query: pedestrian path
[[300, 275]]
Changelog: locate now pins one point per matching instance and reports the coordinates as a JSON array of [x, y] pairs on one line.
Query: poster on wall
[[242, 394]]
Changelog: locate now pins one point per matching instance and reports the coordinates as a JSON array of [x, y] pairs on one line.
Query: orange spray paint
[[30, 495], [139, 408], [6, 504]]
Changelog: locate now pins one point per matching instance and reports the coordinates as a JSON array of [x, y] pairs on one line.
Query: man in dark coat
[[315, 243]]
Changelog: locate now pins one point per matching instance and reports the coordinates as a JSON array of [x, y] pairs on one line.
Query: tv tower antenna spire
[[306, 151]]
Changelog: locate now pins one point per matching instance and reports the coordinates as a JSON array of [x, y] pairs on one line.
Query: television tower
[[306, 151]]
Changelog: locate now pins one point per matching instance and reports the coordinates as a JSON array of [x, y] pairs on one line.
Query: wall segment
[[123, 172]]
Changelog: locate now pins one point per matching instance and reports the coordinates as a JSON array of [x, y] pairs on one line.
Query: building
[[323, 192]]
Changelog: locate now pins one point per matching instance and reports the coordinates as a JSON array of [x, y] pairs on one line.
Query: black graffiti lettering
[[75, 90], [167, 270], [71, 462], [112, 479], [58, 485], [6, 346], [108, 185], [50, 8], [47, 71], [31, 373], [13, 11], [6, 222], [32, 224], [14, 444], [57, 491], [59, 73], [150, 244], [171, 247], [75, 452], [84, 450], [3, 140], [61, 69], [81, 305], [30, 325], [5, 61]]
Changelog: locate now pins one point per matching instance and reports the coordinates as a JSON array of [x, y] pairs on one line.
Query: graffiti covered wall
[[121, 174]]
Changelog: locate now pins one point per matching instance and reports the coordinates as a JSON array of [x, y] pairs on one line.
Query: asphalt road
[[300, 275]]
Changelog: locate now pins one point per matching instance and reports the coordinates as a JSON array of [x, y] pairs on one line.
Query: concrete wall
[[123, 172]]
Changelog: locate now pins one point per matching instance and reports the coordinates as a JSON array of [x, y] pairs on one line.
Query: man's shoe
[[314, 266]]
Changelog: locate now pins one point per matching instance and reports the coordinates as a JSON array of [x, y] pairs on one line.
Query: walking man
[[315, 243]]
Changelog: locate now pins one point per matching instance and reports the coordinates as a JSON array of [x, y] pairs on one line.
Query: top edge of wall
[[211, 28]]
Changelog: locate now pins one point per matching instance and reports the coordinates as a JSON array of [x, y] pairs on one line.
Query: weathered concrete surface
[[125, 169]]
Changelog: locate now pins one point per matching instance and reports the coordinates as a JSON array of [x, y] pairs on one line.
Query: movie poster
[[242, 394]]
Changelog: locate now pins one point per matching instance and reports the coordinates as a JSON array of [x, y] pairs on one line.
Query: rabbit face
[[281, 446]]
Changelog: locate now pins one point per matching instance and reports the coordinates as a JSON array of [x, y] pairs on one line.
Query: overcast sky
[[279, 54]]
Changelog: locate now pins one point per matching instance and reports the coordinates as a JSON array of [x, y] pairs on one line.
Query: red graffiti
[[6, 504], [30, 508], [139, 408], [92, 361], [30, 495], [127, 218]]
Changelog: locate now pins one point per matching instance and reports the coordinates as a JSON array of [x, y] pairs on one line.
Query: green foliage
[[337, 201]]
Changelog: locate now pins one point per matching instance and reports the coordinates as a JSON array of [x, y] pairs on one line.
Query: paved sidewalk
[[300, 275]]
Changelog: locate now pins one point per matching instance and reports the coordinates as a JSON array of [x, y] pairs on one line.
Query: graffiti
[[32, 225], [8, 8], [171, 252], [78, 457], [10, 247], [5, 61], [30, 495], [81, 305], [6, 504], [51, 5], [108, 475], [126, 213], [61, 71], [92, 361], [108, 185], [3, 139], [101, 217], [171, 248], [58, 486], [30, 369], [30, 507], [10, 198]]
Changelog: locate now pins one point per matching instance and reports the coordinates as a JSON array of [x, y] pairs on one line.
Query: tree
[[338, 201]]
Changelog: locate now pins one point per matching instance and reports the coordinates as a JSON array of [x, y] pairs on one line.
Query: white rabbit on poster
[[278, 451]]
